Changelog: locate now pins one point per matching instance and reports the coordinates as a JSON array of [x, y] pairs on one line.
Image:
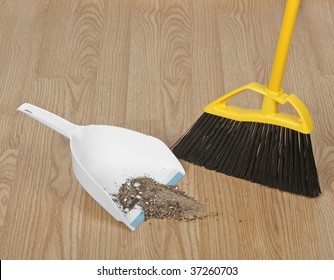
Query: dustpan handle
[[51, 120]]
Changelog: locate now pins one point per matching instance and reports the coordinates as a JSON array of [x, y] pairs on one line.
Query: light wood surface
[[152, 66]]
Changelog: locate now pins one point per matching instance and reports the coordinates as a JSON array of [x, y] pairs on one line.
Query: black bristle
[[267, 154]]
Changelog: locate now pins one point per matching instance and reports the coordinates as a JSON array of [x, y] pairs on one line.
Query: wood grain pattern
[[152, 66], [8, 160], [176, 68]]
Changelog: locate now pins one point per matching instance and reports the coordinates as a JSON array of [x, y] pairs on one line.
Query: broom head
[[270, 149]]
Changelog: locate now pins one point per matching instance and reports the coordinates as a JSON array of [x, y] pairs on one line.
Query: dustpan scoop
[[104, 157]]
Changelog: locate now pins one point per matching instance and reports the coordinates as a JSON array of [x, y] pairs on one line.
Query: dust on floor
[[158, 201]]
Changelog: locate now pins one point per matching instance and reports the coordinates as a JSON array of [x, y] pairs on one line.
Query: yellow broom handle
[[283, 45], [289, 19]]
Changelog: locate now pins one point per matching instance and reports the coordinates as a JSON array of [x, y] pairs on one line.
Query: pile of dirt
[[158, 201]]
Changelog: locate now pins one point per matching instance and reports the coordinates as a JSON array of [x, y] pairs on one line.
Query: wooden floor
[[152, 66]]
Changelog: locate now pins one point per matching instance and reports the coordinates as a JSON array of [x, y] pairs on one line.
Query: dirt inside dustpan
[[158, 201]]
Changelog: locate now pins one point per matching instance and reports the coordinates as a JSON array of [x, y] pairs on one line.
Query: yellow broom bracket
[[268, 114]]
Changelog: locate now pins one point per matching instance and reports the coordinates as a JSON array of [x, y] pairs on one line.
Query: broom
[[262, 146]]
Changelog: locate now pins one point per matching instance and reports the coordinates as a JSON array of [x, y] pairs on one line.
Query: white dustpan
[[104, 157]]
